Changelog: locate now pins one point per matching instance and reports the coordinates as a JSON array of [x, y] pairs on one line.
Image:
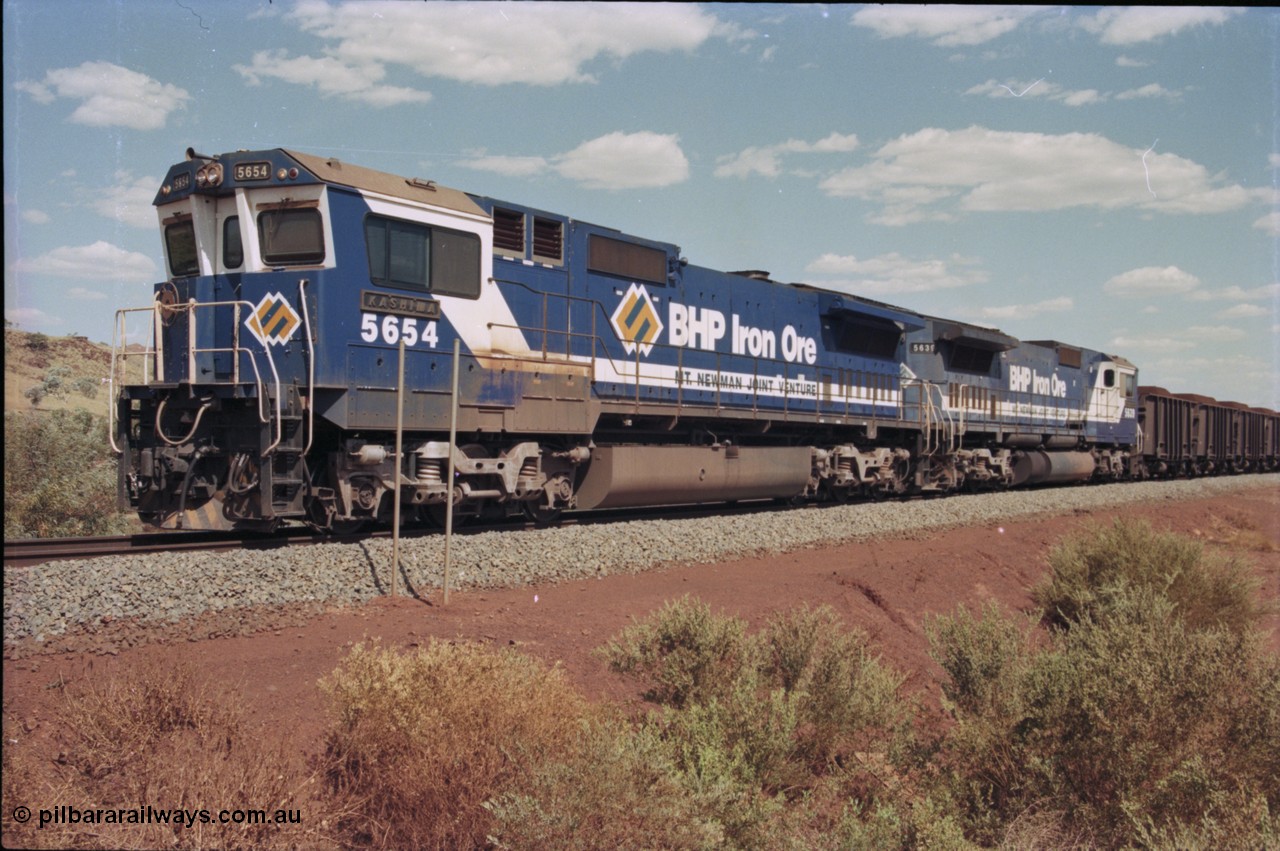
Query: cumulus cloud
[[767, 160], [934, 173], [1269, 224], [1150, 90], [642, 160], [944, 26], [29, 316], [1235, 293], [625, 161], [1006, 312], [1244, 311], [128, 201], [331, 77], [1151, 281], [109, 95], [490, 44], [1179, 341], [1139, 24], [99, 261], [85, 294], [1043, 89], [893, 273]]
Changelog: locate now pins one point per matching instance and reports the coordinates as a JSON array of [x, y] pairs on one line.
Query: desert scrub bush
[[754, 725], [420, 741], [1128, 723], [1088, 570], [848, 701], [166, 739], [616, 789], [685, 652], [59, 476]]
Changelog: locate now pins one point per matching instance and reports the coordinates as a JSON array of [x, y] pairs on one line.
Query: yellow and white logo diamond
[[636, 321], [273, 320]]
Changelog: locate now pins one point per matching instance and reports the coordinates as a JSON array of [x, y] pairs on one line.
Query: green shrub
[[420, 741], [980, 656], [766, 732], [59, 476], [617, 789], [685, 652], [1088, 570], [1134, 720], [848, 701]]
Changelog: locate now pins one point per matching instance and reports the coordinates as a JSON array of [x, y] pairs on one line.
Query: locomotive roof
[[333, 170]]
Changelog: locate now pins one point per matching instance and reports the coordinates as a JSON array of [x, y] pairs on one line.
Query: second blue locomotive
[[598, 369]]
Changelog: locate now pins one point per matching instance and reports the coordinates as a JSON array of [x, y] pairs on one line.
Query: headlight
[[209, 175]]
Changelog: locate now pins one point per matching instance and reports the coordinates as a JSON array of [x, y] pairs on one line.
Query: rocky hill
[[63, 372]]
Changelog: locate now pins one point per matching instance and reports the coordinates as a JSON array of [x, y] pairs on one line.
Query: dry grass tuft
[[420, 741]]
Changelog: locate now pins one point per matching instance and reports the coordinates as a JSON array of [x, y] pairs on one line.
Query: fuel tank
[[676, 475], [1040, 467]]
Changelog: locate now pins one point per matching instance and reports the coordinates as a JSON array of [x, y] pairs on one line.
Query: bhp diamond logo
[[273, 320], [636, 321]]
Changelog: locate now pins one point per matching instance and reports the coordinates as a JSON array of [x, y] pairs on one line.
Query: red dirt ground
[[886, 587]]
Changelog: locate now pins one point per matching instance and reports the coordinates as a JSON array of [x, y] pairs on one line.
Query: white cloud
[[767, 160], [1234, 293], [129, 201], [30, 316], [1026, 311], [109, 95], [83, 294], [1182, 340], [1150, 90], [1042, 88], [35, 217], [546, 43], [1243, 311], [945, 26], [509, 166], [331, 77], [613, 161], [625, 161], [99, 261], [1215, 334], [1151, 281], [1138, 24], [978, 169], [1130, 62], [893, 274], [1270, 223]]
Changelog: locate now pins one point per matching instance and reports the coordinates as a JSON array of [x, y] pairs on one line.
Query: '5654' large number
[[391, 328]]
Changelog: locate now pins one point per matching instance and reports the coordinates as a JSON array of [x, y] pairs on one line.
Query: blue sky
[[1102, 176]]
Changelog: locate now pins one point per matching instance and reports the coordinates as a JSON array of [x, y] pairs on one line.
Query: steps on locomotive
[[287, 468]]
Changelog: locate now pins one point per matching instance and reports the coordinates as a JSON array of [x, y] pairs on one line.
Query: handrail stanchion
[[453, 439], [395, 508]]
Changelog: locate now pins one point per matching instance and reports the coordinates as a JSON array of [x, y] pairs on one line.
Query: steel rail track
[[25, 552]]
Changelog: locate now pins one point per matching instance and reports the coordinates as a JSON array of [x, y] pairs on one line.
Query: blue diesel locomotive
[[597, 369]]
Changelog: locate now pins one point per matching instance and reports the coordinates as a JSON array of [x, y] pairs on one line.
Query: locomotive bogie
[[595, 369]]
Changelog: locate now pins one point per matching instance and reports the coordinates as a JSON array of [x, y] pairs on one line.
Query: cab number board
[[252, 171]]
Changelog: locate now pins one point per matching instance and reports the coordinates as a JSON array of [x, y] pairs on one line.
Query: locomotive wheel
[[540, 514], [342, 528], [434, 514]]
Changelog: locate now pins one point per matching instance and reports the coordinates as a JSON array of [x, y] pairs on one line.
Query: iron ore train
[[596, 369]]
